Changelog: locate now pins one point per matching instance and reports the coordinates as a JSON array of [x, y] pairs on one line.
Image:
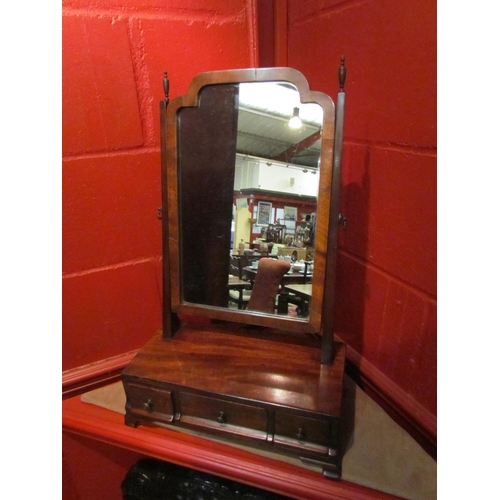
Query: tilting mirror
[[250, 207], [251, 179]]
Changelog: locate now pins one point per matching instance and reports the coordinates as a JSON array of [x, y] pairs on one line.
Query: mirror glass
[[247, 187]]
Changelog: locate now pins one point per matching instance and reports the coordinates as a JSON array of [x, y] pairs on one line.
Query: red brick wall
[[386, 282], [114, 55]]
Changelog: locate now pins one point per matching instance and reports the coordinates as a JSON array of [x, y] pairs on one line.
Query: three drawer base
[[278, 407]]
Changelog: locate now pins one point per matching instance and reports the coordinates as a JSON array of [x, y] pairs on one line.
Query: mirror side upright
[[170, 320], [336, 218]]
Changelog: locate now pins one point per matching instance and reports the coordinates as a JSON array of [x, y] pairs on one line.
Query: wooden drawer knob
[[148, 406], [301, 435], [221, 417]]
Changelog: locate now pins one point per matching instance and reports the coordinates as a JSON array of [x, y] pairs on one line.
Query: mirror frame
[[327, 207]]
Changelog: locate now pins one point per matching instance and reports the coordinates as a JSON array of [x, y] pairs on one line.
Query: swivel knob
[[221, 418], [148, 406]]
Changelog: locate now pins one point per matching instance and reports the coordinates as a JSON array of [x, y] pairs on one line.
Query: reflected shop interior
[[263, 206]]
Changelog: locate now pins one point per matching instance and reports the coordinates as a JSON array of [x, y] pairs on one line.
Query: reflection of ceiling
[[268, 136], [263, 131]]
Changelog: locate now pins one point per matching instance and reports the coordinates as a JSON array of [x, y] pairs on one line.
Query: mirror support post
[[327, 316], [171, 321]]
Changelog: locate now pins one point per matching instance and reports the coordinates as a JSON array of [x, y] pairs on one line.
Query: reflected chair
[[249, 256], [236, 266], [238, 292], [267, 284], [241, 297]]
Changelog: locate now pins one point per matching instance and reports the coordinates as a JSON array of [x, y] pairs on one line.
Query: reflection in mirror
[[247, 187], [266, 127], [276, 186], [265, 159]]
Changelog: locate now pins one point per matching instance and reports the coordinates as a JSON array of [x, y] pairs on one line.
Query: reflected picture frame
[[264, 211], [290, 213]]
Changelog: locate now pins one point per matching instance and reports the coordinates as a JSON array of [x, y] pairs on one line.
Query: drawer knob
[[148, 406], [301, 435], [221, 417]]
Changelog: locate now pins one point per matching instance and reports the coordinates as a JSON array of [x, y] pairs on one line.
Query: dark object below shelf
[[151, 479]]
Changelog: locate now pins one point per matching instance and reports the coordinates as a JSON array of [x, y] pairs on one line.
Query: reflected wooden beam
[[299, 147]]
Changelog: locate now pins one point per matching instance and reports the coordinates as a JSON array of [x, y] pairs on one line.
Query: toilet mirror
[[227, 147]]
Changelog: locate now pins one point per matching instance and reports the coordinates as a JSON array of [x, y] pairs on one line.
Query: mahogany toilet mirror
[[203, 137], [269, 380]]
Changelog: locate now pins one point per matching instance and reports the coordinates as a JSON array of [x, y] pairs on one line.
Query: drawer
[[150, 402], [306, 433], [223, 416]]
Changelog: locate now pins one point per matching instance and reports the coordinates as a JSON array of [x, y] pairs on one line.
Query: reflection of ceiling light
[[274, 98], [295, 122]]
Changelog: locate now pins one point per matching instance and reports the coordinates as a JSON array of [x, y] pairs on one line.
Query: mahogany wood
[[256, 378], [171, 196], [170, 320], [206, 145], [244, 384], [329, 292]]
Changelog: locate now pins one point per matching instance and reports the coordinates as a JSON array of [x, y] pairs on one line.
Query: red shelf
[[208, 456]]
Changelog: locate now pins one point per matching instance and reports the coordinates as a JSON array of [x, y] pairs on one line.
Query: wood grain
[[170, 182], [218, 360]]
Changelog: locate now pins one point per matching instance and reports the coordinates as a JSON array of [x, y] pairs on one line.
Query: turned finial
[[165, 85], [342, 73]]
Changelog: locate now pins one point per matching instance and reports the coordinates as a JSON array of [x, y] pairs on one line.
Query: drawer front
[[150, 402], [223, 416], [308, 434]]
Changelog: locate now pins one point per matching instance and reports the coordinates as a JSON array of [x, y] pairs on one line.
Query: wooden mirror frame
[[320, 318]]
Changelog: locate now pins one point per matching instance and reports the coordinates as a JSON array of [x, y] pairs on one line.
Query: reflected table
[[288, 279], [303, 291], [299, 294]]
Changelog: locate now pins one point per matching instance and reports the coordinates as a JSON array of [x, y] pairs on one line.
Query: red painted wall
[[114, 55], [386, 281], [94, 470]]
